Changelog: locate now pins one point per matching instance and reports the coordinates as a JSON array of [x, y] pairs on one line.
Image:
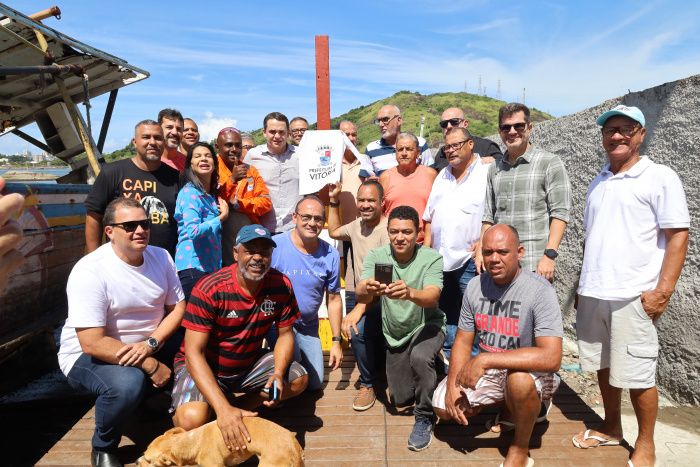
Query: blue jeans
[[368, 345], [453, 287], [308, 352], [188, 278], [119, 390]]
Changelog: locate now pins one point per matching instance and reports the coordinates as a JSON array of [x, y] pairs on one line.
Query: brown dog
[[275, 447]]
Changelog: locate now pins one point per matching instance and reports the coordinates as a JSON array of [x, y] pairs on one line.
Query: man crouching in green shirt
[[412, 323]]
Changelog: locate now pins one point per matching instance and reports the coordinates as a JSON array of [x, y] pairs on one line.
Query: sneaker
[[422, 434], [364, 399]]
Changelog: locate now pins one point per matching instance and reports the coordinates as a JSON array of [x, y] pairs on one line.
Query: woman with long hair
[[199, 214]]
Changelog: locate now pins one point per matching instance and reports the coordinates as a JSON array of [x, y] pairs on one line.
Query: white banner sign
[[320, 155]]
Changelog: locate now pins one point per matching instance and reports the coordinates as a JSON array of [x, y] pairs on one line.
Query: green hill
[[481, 111]]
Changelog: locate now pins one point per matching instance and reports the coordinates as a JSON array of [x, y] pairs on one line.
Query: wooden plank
[[332, 433]]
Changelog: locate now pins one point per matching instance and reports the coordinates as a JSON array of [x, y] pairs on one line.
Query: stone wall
[[672, 112]]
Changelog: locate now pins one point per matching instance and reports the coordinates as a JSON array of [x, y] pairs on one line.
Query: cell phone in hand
[[383, 273], [273, 394]]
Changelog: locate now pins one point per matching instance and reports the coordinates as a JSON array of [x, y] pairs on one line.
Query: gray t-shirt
[[511, 316]]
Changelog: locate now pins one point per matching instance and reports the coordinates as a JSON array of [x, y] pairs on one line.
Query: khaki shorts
[[491, 388], [617, 334]]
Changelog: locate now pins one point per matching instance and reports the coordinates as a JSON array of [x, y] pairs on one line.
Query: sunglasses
[[518, 127], [384, 120], [131, 226], [451, 122]]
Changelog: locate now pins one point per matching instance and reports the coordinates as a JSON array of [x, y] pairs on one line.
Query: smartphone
[[383, 273], [273, 394]]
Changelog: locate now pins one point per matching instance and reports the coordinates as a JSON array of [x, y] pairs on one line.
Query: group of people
[[214, 272]]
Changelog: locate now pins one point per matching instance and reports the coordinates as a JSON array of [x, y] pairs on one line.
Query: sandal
[[600, 441], [506, 425]]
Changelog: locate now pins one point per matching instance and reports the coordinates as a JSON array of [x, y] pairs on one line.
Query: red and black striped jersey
[[235, 321]]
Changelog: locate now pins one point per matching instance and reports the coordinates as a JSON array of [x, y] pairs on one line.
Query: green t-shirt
[[401, 319]]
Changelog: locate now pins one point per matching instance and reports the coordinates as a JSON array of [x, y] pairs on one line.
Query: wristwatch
[[337, 339], [334, 204], [153, 343], [551, 253]]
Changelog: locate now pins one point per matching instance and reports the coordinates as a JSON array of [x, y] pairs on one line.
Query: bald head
[[228, 145], [502, 252], [389, 121]]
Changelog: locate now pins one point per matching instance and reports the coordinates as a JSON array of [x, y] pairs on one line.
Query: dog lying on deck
[[275, 447]]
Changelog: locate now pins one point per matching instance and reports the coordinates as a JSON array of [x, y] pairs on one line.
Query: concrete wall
[[672, 112]]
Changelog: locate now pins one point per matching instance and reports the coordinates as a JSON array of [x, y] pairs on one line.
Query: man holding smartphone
[[412, 323]]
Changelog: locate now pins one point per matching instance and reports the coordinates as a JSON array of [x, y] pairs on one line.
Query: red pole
[[323, 86]]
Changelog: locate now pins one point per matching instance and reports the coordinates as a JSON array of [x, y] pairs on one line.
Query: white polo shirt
[[624, 217], [455, 210]]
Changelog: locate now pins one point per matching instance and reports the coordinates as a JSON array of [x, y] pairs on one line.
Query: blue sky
[[232, 62]]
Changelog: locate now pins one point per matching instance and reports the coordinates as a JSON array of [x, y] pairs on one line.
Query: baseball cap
[[628, 111], [251, 232]]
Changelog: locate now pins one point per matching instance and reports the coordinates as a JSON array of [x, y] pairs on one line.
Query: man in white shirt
[[636, 220], [453, 221], [278, 164], [124, 302]]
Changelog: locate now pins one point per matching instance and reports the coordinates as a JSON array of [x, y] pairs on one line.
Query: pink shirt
[[178, 163], [413, 191]]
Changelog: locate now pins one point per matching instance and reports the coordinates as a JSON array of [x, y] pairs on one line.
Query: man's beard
[[248, 276]]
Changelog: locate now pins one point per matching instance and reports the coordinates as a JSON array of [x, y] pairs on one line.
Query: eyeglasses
[[624, 130], [131, 226], [454, 146], [517, 126], [247, 146], [384, 120], [299, 131], [451, 121], [306, 218]]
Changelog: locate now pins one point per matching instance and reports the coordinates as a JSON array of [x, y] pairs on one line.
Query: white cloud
[[210, 126], [496, 24], [198, 77]]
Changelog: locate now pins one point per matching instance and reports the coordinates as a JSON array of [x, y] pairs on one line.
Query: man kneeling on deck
[[518, 318], [124, 302], [412, 323], [228, 315]]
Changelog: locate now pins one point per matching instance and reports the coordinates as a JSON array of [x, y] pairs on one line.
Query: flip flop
[[530, 462], [601, 441], [506, 425], [548, 406]]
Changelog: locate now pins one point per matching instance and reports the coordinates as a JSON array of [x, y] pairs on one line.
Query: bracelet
[[337, 339], [334, 205], [155, 369]]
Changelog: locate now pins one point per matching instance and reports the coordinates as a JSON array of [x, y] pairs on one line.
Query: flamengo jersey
[[235, 321]]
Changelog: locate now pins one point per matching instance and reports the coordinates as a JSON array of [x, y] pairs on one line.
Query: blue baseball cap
[[627, 111], [251, 232]]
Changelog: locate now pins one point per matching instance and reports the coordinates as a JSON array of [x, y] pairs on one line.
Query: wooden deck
[[333, 434]]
